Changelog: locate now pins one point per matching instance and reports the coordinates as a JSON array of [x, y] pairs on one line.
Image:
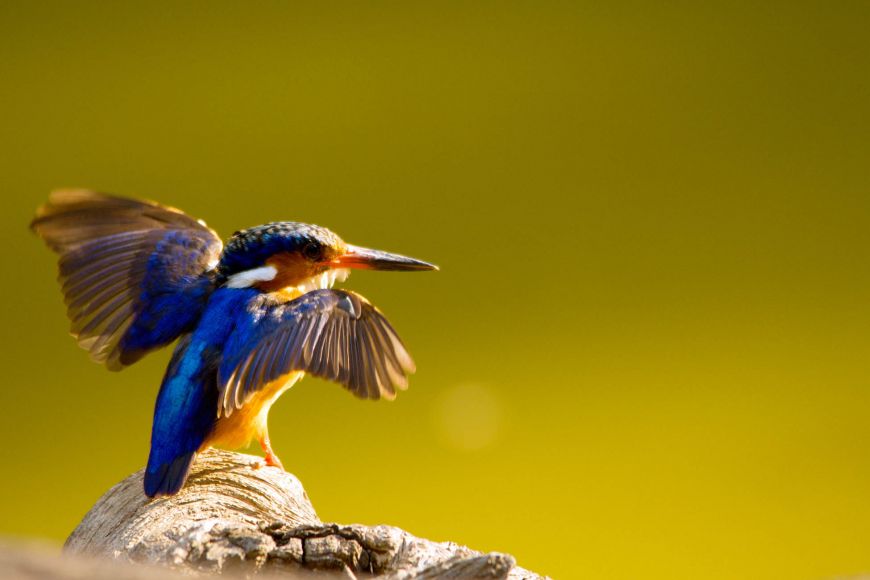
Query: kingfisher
[[250, 318]]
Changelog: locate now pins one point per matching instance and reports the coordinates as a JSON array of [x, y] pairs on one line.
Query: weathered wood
[[21, 560], [234, 516]]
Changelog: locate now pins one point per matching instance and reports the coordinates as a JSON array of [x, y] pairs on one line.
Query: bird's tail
[[168, 478], [183, 417]]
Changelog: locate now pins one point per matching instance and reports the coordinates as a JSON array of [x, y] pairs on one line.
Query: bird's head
[[282, 255]]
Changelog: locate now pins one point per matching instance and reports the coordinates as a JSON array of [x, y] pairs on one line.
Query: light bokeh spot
[[469, 417]]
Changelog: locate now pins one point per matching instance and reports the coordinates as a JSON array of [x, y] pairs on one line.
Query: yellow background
[[646, 353]]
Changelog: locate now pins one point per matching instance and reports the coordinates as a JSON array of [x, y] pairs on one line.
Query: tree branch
[[232, 516]]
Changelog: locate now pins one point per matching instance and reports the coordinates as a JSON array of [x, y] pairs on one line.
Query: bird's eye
[[312, 251]]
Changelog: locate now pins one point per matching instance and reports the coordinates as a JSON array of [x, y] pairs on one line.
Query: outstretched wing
[[134, 273], [332, 334]]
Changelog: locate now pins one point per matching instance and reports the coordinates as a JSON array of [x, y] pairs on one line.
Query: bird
[[249, 318]]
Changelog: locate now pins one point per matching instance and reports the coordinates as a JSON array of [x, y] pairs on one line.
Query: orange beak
[[367, 259]]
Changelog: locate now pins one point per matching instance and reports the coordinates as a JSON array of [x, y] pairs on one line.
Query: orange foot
[[271, 459]]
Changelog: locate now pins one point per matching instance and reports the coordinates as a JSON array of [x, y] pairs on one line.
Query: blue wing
[[332, 334], [135, 274]]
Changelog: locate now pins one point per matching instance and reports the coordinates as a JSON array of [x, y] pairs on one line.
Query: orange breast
[[249, 422]]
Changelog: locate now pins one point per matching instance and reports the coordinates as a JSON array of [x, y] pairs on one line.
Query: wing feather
[[333, 334], [133, 273]]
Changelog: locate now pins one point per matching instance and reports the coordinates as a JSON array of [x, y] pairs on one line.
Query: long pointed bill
[[366, 259]]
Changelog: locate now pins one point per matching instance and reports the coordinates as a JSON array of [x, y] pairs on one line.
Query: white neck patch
[[248, 278], [251, 277]]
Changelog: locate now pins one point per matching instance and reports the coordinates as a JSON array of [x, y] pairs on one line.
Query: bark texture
[[232, 517]]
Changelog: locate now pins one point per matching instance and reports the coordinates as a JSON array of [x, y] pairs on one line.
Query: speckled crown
[[250, 248]]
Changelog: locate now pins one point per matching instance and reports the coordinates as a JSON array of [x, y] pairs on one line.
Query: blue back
[[186, 407]]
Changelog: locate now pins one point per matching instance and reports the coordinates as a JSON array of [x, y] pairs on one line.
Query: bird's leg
[[271, 458]]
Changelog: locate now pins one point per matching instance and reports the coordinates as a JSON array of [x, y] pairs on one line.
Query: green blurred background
[[646, 352]]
